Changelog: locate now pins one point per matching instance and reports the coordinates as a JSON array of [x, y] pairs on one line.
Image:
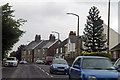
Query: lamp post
[[58, 40], [108, 29], [77, 32]]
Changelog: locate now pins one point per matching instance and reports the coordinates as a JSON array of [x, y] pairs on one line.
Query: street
[[30, 71]]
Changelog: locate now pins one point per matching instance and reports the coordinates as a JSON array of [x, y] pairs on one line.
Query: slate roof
[[33, 44], [63, 43], [50, 43], [117, 47], [73, 38], [42, 44]]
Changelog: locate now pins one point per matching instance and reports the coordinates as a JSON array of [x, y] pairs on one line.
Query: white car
[[11, 61], [40, 62], [23, 62]]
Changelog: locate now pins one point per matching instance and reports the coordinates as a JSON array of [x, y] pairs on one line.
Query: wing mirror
[[76, 66]]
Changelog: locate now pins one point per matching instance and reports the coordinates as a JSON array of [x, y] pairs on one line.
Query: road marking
[[43, 71]]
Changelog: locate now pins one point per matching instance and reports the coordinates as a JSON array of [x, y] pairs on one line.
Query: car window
[[77, 62], [59, 62], [97, 64], [118, 62]]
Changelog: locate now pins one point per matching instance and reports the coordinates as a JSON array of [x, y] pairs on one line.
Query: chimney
[[37, 37], [51, 37], [72, 33]]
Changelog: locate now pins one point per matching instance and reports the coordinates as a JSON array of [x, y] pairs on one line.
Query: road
[[30, 71]]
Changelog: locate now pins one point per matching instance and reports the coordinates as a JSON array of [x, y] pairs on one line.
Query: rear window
[[10, 58], [49, 58]]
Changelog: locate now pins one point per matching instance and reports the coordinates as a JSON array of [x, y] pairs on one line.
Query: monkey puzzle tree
[[94, 38]]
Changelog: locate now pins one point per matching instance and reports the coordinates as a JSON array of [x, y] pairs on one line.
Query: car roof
[[59, 59], [92, 57]]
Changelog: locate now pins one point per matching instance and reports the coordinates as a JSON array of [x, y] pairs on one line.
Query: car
[[117, 63], [93, 68], [49, 60], [11, 61], [59, 66], [23, 62], [39, 62]]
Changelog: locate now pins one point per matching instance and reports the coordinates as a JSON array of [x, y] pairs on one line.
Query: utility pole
[[108, 29], [78, 53]]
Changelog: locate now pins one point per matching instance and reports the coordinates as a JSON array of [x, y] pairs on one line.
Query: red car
[[49, 60]]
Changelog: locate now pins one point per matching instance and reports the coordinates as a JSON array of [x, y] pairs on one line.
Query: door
[[75, 69]]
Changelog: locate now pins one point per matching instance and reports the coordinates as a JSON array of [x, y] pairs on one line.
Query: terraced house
[[39, 49]]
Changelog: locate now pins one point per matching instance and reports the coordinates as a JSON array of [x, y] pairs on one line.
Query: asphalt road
[[30, 71]]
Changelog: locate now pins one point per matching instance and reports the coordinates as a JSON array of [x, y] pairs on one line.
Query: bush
[[97, 54]]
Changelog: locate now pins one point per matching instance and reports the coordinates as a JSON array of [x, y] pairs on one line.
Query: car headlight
[[54, 67], [66, 67], [91, 78]]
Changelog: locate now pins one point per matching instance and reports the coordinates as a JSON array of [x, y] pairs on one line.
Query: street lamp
[[77, 32], [108, 29], [58, 41]]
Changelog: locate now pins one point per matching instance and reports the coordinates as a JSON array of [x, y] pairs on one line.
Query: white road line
[[43, 70]]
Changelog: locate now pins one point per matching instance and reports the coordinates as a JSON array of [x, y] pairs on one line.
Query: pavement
[[30, 71]]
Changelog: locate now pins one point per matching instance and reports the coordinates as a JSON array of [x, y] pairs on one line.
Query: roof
[[50, 43], [42, 44], [63, 43], [33, 44], [73, 38], [117, 47], [91, 57]]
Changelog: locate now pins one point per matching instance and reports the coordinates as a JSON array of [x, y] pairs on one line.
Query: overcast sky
[[44, 16]]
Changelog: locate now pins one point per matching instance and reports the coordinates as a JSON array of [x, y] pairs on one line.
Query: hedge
[[97, 54]]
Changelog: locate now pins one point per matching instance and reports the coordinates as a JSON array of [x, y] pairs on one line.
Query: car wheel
[[51, 72], [70, 78]]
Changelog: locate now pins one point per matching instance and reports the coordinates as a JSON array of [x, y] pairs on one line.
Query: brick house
[[28, 52], [39, 49], [48, 49], [115, 51]]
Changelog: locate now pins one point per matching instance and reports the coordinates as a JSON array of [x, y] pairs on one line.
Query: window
[[60, 50], [24, 52], [38, 51], [77, 62], [114, 55], [56, 50], [29, 52]]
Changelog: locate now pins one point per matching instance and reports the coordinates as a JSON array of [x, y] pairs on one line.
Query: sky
[[45, 16]]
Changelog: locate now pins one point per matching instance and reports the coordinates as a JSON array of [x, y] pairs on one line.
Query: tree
[[10, 29], [13, 54], [19, 52], [94, 38]]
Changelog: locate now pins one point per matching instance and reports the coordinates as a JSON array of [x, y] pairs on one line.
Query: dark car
[[49, 60], [93, 68], [59, 66]]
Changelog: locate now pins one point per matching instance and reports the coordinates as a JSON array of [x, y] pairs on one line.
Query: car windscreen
[[49, 58], [97, 63], [59, 62], [10, 59]]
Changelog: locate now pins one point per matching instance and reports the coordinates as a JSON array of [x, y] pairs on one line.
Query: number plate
[[60, 69]]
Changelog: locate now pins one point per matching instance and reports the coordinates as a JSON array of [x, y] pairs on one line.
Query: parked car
[[49, 60], [39, 62], [59, 66], [23, 62], [11, 61], [93, 68], [117, 63]]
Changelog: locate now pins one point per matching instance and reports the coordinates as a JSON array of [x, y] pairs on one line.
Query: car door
[[75, 71]]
